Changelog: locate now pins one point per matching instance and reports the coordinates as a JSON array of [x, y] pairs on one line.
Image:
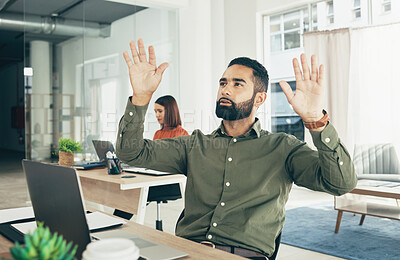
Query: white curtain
[[375, 87], [333, 50], [362, 88]]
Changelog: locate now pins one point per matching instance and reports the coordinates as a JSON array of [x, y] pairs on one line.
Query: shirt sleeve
[[330, 169], [163, 155]]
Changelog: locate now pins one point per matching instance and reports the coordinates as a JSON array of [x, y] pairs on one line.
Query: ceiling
[[98, 11]]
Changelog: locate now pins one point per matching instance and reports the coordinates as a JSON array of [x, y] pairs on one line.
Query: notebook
[[102, 147], [57, 201], [88, 166]]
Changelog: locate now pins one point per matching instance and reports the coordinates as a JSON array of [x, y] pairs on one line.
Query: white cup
[[111, 249]]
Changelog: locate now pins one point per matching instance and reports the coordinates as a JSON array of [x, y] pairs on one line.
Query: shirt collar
[[254, 129]]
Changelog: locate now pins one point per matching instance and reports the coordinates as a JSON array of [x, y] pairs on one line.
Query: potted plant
[[43, 245], [66, 150]]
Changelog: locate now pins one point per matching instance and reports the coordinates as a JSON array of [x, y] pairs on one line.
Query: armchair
[[376, 162]]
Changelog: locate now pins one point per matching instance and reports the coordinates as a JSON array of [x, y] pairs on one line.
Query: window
[[386, 6], [283, 118], [291, 26], [314, 15], [286, 30], [356, 9], [275, 32], [330, 14]]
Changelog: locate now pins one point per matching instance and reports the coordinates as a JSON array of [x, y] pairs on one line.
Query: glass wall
[[80, 84]]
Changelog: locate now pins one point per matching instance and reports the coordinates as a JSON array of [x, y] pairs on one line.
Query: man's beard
[[235, 111]]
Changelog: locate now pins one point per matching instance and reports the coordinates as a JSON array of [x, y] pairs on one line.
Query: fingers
[[128, 59], [321, 75], [297, 71], [135, 54], [314, 68], [160, 70], [142, 51], [304, 64], [287, 90], [152, 56]]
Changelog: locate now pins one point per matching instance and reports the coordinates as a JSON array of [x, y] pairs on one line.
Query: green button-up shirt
[[237, 187]]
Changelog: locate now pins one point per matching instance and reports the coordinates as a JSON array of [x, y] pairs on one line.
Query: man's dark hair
[[259, 72]]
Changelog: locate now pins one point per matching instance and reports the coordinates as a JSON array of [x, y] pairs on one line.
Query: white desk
[[129, 194]]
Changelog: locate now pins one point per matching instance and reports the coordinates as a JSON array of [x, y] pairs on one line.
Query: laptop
[[102, 147], [57, 201]]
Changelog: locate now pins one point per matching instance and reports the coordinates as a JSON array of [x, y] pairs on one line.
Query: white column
[[41, 89]]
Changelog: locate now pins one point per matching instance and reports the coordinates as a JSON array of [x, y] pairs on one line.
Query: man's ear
[[260, 99]]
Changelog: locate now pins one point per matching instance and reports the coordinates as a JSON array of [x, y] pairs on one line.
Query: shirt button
[[222, 204], [228, 183], [131, 113], [209, 236], [327, 139], [234, 140], [215, 224], [341, 163], [222, 132], [230, 159], [120, 135]]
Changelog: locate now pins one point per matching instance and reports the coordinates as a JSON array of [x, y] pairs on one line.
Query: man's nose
[[227, 90]]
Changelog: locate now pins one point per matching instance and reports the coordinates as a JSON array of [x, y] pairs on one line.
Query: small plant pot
[[66, 159]]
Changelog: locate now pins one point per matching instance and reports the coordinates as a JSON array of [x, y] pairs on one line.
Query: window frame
[[303, 13], [384, 4], [356, 10], [330, 16]]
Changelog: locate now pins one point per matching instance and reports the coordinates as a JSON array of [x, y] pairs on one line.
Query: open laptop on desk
[[57, 201], [102, 147]]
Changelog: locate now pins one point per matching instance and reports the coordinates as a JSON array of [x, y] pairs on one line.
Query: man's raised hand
[[144, 75], [308, 100]]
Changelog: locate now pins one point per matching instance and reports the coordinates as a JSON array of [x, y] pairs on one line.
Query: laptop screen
[[102, 147], [57, 201]]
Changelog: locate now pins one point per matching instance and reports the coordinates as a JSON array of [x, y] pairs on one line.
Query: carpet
[[313, 228]]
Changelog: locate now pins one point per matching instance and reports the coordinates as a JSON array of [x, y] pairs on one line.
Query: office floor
[[14, 193]]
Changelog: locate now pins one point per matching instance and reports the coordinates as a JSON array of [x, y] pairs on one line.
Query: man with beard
[[239, 176]]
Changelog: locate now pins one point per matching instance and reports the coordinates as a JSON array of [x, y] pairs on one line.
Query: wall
[[195, 47], [10, 84], [212, 32], [240, 29]]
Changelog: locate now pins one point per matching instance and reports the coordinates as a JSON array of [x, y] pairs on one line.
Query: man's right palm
[[144, 75]]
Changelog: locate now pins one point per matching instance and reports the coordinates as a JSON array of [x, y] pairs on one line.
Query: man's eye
[[238, 84], [222, 84]]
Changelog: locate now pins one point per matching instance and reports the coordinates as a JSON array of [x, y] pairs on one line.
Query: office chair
[[163, 193], [158, 194], [277, 239]]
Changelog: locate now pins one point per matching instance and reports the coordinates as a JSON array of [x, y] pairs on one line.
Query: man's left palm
[[308, 99]]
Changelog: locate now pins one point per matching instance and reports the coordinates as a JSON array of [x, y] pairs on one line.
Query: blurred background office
[[63, 75]]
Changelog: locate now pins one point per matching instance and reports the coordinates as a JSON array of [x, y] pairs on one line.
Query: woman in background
[[167, 114]]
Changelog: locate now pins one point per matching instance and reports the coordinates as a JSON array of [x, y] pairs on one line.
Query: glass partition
[[80, 84]]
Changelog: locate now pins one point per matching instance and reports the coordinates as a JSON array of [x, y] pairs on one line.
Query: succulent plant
[[43, 245]]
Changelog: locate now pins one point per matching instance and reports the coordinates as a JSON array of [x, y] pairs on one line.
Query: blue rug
[[313, 228]]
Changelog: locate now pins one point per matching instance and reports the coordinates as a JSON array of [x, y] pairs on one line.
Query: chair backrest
[[376, 159]]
